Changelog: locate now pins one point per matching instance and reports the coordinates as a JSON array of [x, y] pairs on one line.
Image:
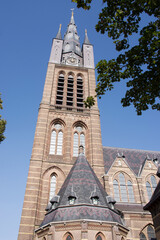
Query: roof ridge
[[132, 149]]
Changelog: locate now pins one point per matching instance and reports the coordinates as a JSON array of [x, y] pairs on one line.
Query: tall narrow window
[[151, 186], [59, 143], [82, 140], [149, 190], [116, 190], [52, 187], [153, 182], [70, 85], [53, 142], [79, 92], [75, 145], [56, 143], [130, 191], [123, 189], [60, 89], [78, 139]]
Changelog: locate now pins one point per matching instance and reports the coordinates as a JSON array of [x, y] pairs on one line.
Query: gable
[[134, 158]]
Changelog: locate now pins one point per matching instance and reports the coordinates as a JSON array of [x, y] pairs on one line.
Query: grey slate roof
[[134, 158], [83, 182]]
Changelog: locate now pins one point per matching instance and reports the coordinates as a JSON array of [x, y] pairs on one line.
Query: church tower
[[63, 125]]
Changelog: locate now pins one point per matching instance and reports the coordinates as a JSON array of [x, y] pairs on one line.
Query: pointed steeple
[[59, 36], [86, 40], [71, 43]]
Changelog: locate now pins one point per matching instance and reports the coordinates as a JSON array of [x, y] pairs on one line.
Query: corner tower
[[63, 125]]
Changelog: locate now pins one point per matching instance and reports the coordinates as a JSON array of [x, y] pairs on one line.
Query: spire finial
[[72, 9]]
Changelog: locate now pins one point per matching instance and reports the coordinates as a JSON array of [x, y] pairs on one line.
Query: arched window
[[60, 90], [151, 185], [56, 143], [78, 139], [99, 236], [52, 186], [148, 233], [123, 188], [68, 236], [79, 92]]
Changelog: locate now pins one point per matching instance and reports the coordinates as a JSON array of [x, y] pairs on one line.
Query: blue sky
[[26, 32]]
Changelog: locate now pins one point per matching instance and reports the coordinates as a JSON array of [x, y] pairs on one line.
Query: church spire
[[71, 45], [86, 40], [59, 36]]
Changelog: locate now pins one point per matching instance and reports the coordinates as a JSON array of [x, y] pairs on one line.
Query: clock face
[[72, 61]]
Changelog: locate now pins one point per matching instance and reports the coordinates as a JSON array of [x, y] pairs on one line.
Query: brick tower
[[63, 125]]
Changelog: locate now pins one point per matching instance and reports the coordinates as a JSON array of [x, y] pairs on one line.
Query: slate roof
[[134, 158], [82, 183]]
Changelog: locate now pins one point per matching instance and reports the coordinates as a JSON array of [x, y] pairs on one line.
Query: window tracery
[[148, 233], [56, 142], [123, 188]]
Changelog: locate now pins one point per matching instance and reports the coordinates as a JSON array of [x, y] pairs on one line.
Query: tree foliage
[[139, 64], [2, 124]]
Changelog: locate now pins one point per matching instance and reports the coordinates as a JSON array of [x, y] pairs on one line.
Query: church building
[[76, 188]]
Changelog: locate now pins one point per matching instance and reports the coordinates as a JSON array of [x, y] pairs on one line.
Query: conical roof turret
[[82, 196]]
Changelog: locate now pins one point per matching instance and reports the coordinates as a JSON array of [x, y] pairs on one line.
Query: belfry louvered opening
[[60, 90], [79, 92], [70, 85]]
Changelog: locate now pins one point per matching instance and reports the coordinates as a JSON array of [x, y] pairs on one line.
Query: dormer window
[[72, 197], [95, 200], [72, 200]]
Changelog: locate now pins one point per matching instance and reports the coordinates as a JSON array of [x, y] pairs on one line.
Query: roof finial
[[72, 9], [72, 18]]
